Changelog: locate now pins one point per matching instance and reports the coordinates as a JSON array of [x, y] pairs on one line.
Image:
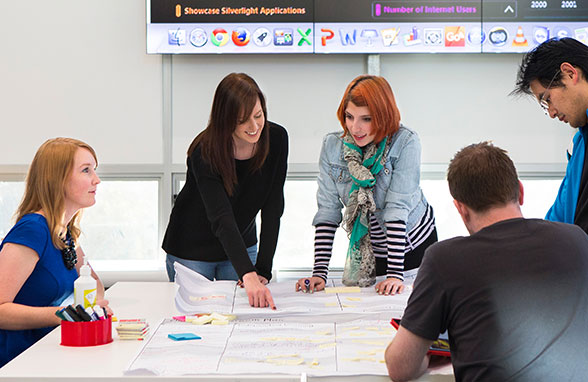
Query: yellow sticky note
[[354, 289], [202, 320], [295, 355], [219, 322], [357, 334], [370, 352], [368, 342], [324, 333]]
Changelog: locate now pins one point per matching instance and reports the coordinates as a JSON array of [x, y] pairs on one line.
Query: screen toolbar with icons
[[360, 26]]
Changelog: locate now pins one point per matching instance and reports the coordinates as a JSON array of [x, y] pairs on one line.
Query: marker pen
[[66, 315], [99, 312], [82, 313], [188, 317], [307, 285], [73, 314], [60, 315], [92, 314]]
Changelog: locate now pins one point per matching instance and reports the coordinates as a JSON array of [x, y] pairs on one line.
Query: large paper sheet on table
[[267, 346], [320, 334], [197, 294]]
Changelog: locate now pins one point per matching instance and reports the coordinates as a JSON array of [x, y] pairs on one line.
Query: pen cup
[[89, 333]]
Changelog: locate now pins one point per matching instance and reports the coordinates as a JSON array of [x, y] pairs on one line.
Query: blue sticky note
[[183, 336]]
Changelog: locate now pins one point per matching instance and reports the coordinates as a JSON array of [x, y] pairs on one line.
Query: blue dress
[[48, 285]]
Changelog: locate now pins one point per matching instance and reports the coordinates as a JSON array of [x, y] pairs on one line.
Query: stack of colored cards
[[203, 319], [132, 329]]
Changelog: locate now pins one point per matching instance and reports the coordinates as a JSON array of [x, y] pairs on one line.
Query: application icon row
[[449, 36], [262, 37], [431, 36]]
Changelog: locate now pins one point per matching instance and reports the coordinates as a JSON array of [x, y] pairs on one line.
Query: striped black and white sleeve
[[323, 247], [396, 243]]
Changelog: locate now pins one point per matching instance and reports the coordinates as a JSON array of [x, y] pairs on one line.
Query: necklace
[[70, 257]]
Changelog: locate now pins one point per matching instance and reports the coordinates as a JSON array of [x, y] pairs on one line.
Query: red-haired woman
[[373, 169], [236, 168]]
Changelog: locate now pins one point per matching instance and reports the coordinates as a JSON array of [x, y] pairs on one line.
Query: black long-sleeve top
[[206, 224]]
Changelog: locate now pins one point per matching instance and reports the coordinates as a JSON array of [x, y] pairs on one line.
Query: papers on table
[[197, 294], [267, 346], [320, 334], [132, 329], [163, 356]]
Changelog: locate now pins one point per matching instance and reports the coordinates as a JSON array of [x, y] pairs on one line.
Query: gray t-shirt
[[514, 298]]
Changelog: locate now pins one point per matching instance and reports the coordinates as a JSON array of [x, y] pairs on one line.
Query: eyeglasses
[[544, 102]]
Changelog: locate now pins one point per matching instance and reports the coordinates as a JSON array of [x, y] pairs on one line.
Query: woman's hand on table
[[259, 295], [314, 284], [390, 286]]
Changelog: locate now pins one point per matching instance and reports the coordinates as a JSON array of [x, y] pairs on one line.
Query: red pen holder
[[89, 333]]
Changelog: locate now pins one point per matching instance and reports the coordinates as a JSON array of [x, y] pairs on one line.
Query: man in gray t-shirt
[[512, 295]]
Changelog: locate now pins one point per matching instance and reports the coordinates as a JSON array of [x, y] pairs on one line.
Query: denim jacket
[[397, 193]]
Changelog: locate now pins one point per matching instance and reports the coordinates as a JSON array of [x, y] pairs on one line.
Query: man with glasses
[[556, 73]]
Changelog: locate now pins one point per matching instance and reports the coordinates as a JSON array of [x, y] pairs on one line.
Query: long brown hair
[[45, 185], [375, 93], [234, 99]]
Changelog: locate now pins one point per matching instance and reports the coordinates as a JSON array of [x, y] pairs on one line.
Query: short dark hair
[[482, 176], [543, 63]]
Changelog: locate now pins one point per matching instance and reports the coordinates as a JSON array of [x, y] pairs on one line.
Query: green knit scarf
[[364, 165]]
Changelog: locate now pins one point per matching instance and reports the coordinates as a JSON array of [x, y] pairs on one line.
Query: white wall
[[455, 100], [79, 68], [302, 92], [450, 100]]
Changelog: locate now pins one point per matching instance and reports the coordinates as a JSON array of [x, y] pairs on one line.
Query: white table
[[49, 361]]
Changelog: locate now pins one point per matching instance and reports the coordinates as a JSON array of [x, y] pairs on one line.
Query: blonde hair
[[45, 185]]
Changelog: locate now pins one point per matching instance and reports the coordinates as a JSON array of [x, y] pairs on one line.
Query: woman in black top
[[236, 168]]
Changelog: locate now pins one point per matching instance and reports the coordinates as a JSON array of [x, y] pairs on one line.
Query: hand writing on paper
[[314, 284], [390, 286], [259, 295]]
